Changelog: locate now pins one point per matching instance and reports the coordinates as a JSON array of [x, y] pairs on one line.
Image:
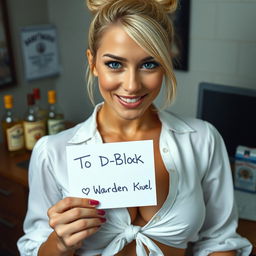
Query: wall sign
[[40, 51]]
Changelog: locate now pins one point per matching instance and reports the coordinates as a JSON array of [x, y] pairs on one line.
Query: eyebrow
[[149, 58]]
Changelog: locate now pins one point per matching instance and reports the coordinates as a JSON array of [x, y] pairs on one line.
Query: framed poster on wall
[[7, 71], [180, 49], [40, 52]]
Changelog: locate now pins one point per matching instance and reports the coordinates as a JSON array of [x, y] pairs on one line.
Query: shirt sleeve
[[218, 232], [43, 193]]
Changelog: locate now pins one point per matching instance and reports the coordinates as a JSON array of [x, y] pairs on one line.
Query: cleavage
[[142, 215]]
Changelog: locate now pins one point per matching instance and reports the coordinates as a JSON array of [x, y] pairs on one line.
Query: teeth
[[129, 100]]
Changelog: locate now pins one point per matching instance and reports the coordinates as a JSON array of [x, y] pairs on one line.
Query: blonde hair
[[146, 22]]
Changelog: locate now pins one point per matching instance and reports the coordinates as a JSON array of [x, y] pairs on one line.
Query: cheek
[[153, 82], [108, 82]]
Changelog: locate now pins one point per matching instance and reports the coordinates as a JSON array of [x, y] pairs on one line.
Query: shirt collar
[[174, 123], [88, 129]]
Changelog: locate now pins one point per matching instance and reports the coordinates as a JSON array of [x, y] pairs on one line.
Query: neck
[[110, 123]]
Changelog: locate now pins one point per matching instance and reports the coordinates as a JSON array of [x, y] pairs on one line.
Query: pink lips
[[130, 101]]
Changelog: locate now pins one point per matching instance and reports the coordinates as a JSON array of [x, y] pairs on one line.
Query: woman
[[129, 54]]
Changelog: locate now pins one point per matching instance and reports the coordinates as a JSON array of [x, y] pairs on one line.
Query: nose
[[132, 81]]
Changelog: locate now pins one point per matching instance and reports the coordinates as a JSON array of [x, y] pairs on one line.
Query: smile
[[130, 100]]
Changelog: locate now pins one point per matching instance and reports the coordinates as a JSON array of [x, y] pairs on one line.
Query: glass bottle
[[41, 112], [12, 128], [34, 128], [55, 121]]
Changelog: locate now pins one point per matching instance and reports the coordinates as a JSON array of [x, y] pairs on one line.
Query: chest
[[141, 215]]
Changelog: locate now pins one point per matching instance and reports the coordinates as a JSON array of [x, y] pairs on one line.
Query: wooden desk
[[13, 199], [13, 202], [247, 228]]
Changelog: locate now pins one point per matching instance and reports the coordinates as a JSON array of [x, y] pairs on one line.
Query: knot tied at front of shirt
[[129, 234]]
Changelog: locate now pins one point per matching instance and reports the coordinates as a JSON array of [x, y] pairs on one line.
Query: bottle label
[[15, 137], [55, 126], [42, 114], [33, 132]]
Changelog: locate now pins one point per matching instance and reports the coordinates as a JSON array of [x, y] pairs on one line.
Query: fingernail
[[103, 220], [93, 202], [101, 212]]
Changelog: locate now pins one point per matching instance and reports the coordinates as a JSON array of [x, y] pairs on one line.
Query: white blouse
[[199, 210]]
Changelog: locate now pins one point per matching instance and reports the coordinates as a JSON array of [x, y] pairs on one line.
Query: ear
[[91, 62]]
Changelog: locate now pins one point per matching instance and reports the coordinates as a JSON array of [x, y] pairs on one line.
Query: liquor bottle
[[12, 128], [55, 121], [41, 112], [34, 128]]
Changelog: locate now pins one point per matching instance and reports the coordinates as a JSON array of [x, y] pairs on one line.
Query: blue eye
[[150, 65], [113, 64]]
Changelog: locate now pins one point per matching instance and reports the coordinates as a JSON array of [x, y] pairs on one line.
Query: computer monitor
[[232, 110]]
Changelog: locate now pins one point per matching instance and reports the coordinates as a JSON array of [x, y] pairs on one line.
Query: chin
[[133, 115]]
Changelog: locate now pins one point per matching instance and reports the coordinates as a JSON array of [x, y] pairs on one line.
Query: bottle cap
[[30, 99], [8, 101], [36, 92], [52, 97]]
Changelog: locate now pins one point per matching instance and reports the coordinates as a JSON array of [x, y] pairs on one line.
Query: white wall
[[72, 21]]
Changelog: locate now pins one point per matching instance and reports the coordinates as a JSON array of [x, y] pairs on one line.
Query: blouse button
[[165, 150], [156, 219]]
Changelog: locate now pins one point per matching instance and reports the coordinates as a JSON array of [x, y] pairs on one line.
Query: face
[[129, 78]]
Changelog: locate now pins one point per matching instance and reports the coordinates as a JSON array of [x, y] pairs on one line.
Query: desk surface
[[11, 168]]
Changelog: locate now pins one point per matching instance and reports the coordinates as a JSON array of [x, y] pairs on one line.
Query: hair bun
[[95, 5], [169, 6]]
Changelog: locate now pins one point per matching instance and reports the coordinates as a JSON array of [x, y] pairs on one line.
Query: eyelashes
[[113, 64], [150, 65], [116, 65]]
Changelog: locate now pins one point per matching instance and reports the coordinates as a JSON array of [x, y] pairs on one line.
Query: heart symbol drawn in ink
[[86, 191]]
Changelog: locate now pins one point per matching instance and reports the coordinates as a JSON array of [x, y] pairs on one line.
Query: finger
[[75, 214], [75, 239], [78, 226], [72, 202]]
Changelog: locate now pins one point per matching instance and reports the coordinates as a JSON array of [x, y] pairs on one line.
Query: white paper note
[[118, 174]]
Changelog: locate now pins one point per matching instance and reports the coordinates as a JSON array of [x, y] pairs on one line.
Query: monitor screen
[[232, 110]]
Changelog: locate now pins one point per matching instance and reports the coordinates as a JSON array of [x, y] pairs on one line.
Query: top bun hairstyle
[[169, 6], [147, 22]]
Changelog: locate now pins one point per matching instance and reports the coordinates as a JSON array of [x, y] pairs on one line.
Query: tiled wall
[[222, 49]]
